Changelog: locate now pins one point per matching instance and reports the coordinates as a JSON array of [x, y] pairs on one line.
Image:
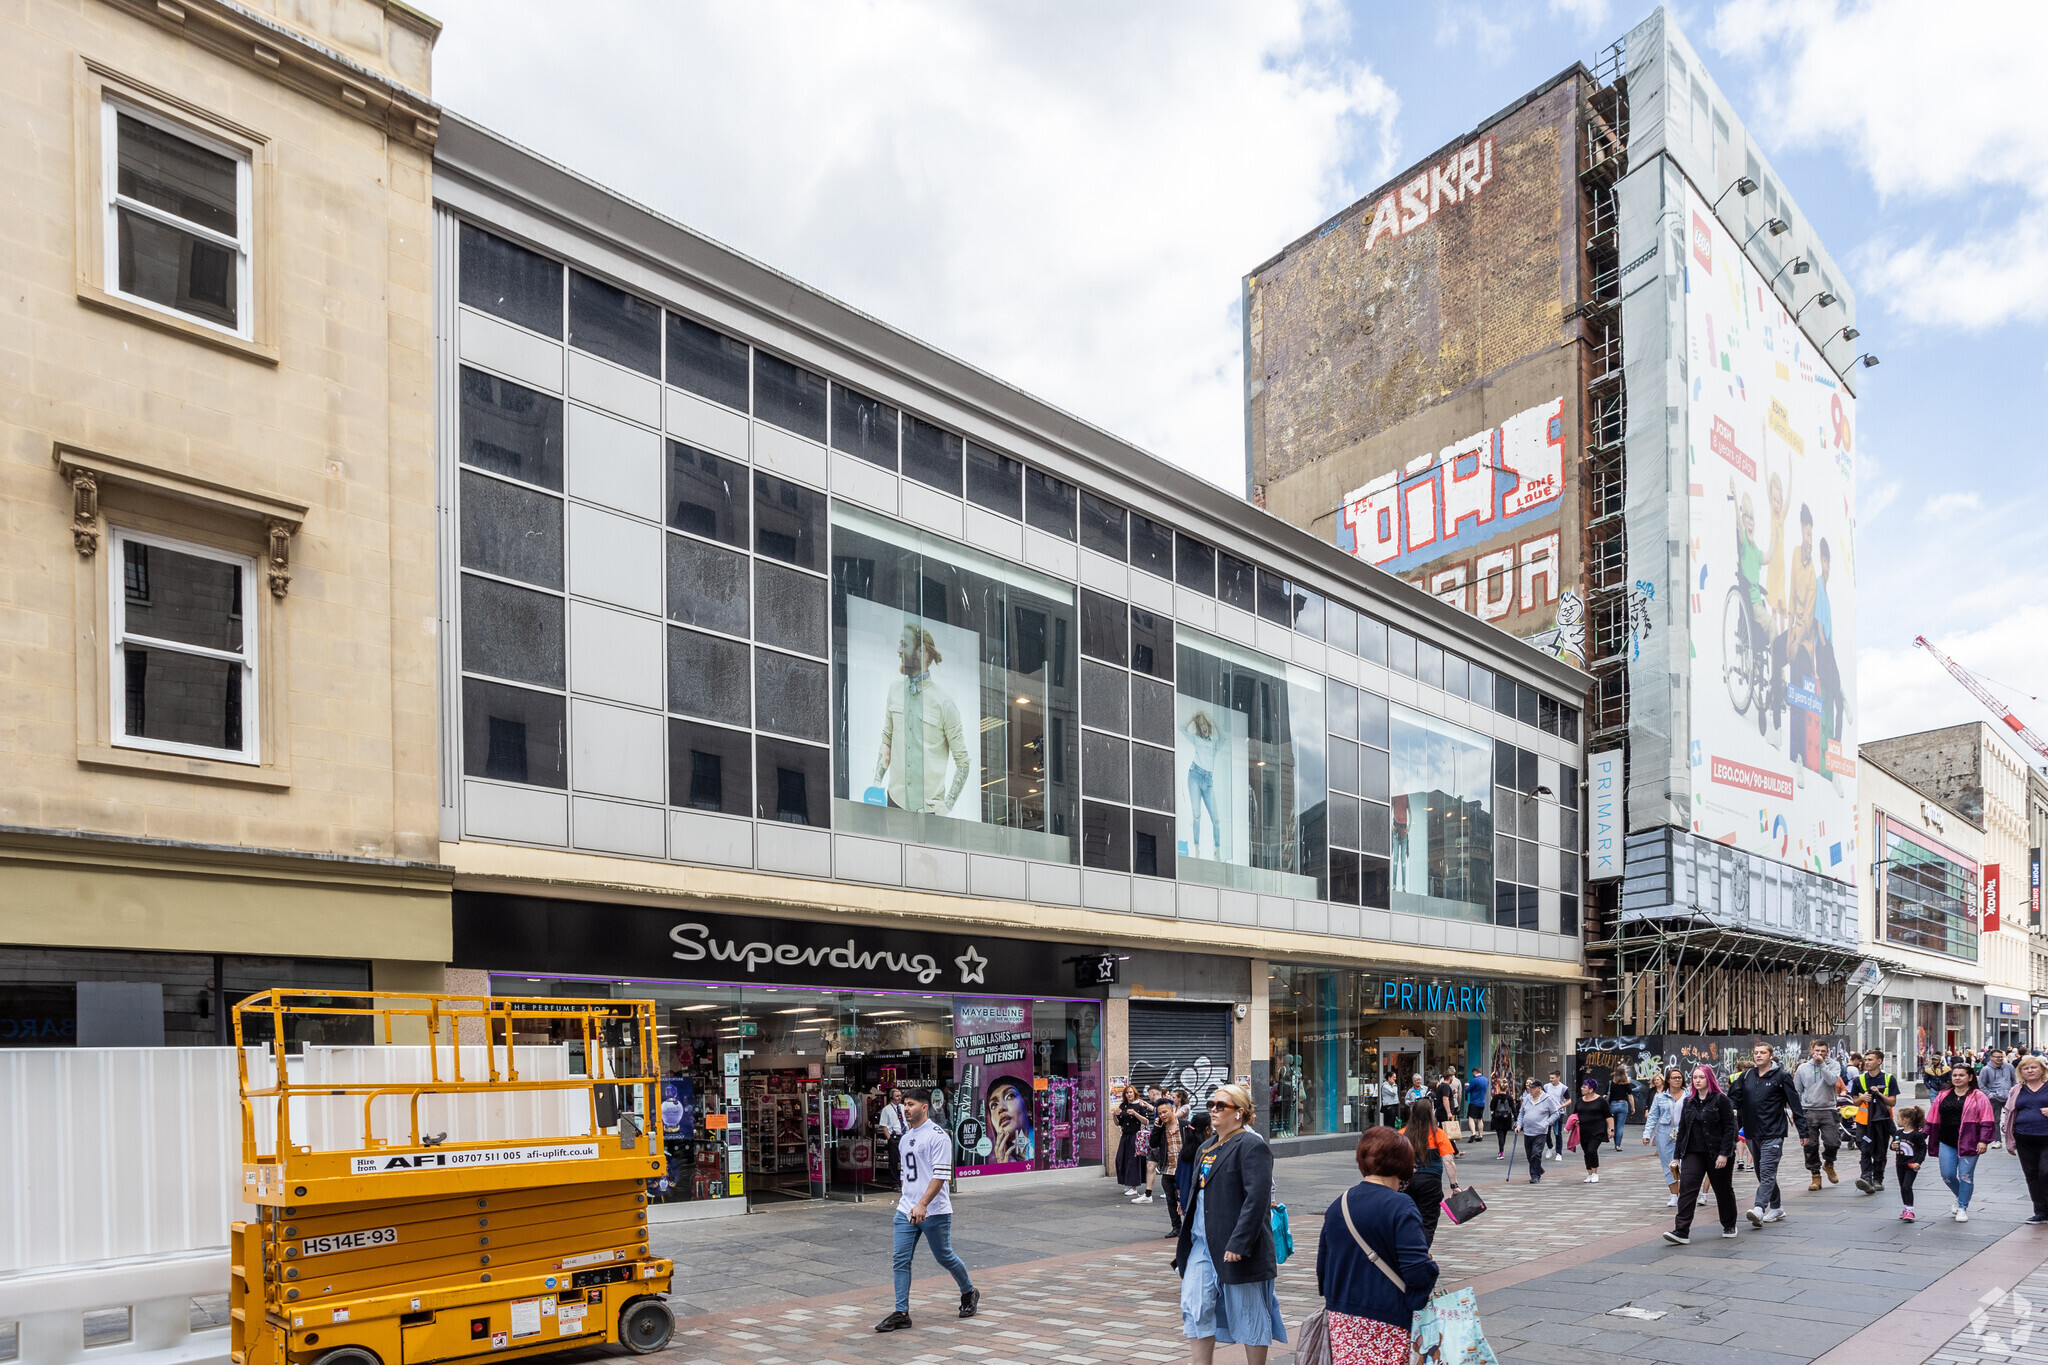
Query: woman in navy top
[[1368, 1314], [2026, 1130]]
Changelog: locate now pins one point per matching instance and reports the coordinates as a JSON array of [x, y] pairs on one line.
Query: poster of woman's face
[[1008, 1108]]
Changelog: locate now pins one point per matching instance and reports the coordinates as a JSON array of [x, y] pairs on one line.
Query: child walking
[[1911, 1147]]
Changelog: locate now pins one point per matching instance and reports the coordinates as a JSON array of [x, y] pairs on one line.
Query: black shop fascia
[[508, 934]]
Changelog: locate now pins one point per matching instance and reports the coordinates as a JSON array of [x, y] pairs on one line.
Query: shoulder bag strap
[[1344, 1203]]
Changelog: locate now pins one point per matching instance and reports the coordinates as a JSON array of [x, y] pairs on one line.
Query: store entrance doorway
[[1401, 1062]]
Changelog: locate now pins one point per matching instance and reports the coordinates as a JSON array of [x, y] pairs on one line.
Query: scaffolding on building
[[1682, 975]]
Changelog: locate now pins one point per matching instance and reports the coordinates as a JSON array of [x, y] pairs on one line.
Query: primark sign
[[541, 936]]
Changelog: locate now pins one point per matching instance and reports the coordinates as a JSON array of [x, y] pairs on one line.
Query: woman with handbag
[[1373, 1266], [1434, 1161], [1225, 1253], [1134, 1117]]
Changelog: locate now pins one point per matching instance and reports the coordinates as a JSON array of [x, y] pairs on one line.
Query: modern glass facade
[[1930, 899], [1337, 1034], [694, 578]]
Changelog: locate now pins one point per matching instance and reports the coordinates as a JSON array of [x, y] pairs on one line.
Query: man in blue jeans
[[924, 1208]]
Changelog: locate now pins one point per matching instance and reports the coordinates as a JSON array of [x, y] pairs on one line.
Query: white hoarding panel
[[1770, 435]]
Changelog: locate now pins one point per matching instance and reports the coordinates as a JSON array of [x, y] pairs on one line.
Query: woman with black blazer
[[1225, 1251], [1705, 1144], [1368, 1314], [1134, 1117]]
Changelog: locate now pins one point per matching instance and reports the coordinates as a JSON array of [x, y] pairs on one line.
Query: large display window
[[1930, 900], [1249, 760], [954, 690], [1442, 779], [1341, 1037], [781, 1093]]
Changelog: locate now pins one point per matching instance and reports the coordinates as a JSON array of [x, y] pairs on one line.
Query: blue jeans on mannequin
[[937, 1229], [1959, 1173], [1202, 792]]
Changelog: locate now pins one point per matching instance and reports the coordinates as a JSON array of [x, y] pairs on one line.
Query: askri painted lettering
[[1414, 203], [694, 943]]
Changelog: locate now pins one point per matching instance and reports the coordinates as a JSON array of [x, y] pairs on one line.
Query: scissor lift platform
[[382, 1244]]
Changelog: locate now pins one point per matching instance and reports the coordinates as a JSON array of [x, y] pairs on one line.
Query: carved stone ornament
[[279, 560], [85, 512]]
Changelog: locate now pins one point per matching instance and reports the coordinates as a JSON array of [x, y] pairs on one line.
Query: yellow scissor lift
[[404, 1247]]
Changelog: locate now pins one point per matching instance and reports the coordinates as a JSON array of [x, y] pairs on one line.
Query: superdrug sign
[[534, 935]]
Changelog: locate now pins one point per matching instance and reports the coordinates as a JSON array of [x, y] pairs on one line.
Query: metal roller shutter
[[1184, 1046]]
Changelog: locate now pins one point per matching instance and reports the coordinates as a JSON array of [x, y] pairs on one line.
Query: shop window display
[[774, 1094], [954, 687], [1442, 808], [1248, 750], [1338, 1035]]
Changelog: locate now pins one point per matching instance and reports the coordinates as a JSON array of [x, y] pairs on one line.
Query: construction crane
[[1983, 694]]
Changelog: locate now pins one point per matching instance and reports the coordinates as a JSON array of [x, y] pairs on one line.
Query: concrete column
[[1116, 1066], [1251, 1048]]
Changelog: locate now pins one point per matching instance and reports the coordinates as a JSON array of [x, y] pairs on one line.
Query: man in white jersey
[[924, 1208]]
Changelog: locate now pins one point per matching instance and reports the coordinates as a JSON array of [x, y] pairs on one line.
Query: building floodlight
[[1743, 186], [1777, 227], [1823, 298], [1845, 334]]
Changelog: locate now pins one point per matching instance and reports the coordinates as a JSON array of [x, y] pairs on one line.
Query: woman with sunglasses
[[1225, 1252]]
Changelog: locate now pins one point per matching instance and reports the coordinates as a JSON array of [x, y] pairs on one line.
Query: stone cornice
[[304, 64]]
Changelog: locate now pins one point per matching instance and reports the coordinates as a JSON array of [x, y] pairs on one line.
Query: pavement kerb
[[1923, 1324]]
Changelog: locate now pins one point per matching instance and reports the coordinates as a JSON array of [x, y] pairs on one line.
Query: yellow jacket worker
[[922, 737]]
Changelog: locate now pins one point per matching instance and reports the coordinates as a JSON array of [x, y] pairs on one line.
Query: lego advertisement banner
[[1771, 458]]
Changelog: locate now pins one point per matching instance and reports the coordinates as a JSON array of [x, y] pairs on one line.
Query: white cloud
[[1929, 105], [1065, 196], [1943, 505]]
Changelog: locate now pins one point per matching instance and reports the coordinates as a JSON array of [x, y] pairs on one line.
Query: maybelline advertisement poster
[[1771, 436], [913, 712], [992, 1066]]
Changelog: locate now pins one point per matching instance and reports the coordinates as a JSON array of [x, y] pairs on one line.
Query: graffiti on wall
[[1459, 177], [1476, 525]]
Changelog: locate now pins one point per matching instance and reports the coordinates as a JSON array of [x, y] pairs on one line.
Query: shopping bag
[[1447, 1332], [1463, 1205], [1283, 1235], [1312, 1342]]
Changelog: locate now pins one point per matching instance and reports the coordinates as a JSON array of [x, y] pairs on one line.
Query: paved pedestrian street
[[1566, 1272]]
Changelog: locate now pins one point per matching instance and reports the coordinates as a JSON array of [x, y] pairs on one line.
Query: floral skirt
[[1365, 1341]]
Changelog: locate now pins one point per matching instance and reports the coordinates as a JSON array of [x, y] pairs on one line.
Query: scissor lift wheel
[[348, 1355], [645, 1325]]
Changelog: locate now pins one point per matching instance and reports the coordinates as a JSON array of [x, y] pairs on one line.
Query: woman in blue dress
[[1225, 1253]]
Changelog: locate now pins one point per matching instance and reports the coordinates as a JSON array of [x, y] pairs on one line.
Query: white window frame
[[119, 637], [112, 200]]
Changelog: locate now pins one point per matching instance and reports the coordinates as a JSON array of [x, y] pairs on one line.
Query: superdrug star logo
[[972, 965]]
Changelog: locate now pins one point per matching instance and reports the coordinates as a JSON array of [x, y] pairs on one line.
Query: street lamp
[[1777, 227], [1743, 186], [1823, 298]]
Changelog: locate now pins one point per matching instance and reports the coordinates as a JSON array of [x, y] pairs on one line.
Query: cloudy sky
[[1068, 195]]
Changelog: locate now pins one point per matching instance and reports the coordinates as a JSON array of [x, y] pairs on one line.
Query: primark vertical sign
[[1604, 826]]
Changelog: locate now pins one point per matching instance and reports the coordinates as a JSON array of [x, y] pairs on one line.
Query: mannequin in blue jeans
[[1203, 741]]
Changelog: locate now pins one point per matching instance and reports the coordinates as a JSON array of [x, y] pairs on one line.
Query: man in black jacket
[[1764, 1097]]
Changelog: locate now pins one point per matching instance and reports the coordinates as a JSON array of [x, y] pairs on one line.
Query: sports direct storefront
[[781, 1040]]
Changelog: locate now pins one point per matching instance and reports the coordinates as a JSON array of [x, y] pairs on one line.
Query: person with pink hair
[[1705, 1144]]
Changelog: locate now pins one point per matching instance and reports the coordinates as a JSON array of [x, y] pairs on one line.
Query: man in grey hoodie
[[1819, 1083], [1997, 1078]]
